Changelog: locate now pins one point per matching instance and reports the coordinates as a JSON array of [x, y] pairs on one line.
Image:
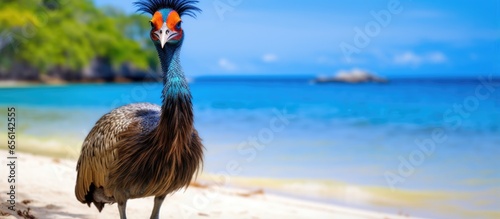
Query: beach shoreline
[[39, 171], [44, 185], [57, 159]]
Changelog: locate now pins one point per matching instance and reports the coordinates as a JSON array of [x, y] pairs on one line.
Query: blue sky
[[407, 38]]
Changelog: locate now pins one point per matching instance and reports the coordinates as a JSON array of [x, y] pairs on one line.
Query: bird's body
[[142, 150]]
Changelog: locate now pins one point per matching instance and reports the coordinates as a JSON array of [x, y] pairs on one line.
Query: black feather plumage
[[183, 7]]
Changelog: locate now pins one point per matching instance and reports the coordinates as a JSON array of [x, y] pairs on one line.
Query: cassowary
[[142, 150]]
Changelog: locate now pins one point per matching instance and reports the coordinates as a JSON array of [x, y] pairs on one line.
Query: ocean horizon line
[[309, 77]]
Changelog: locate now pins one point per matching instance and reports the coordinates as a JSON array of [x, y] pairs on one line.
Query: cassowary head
[[166, 21]]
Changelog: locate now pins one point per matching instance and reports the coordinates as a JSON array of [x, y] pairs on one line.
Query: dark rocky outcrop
[[19, 72], [99, 70]]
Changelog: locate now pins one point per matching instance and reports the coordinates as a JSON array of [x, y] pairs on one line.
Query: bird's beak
[[166, 34], [163, 37]]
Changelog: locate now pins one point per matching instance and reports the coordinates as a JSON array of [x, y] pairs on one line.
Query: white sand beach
[[45, 189]]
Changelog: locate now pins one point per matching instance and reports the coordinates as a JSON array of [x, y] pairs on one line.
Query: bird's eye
[[178, 25]]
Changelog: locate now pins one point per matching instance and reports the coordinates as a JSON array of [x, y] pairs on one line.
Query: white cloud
[[411, 58], [408, 58], [436, 57], [227, 65], [269, 58]]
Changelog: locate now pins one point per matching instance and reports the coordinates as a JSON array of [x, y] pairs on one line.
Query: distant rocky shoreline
[[100, 70]]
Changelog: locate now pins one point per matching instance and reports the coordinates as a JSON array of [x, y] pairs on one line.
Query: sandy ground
[[45, 186]]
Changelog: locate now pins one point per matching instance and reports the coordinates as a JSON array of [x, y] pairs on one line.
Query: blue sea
[[438, 135]]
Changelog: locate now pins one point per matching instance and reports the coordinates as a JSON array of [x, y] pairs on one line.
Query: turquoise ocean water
[[290, 128]]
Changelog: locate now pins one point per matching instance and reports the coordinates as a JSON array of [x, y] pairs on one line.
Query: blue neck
[[176, 120], [174, 81]]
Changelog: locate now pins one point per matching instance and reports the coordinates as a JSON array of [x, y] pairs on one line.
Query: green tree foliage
[[68, 34]]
